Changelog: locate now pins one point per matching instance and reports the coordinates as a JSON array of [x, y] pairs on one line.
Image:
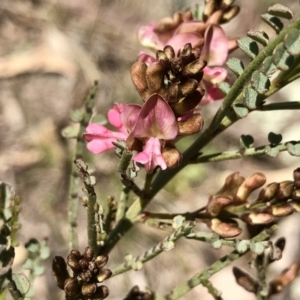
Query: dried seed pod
[[60, 272], [138, 77], [216, 205], [223, 229], [155, 76], [296, 195], [88, 253], [169, 51], [245, 280], [230, 14], [186, 50], [276, 250], [101, 292], [189, 87], [190, 126], [296, 176], [250, 184], [73, 262], [193, 68]]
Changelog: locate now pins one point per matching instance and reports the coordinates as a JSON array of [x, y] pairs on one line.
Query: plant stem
[[121, 206], [249, 152], [159, 248], [73, 182], [220, 264]]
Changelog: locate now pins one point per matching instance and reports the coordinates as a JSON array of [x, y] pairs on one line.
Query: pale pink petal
[[149, 39], [215, 49], [114, 118], [179, 40], [192, 26], [156, 119], [146, 58], [97, 131], [151, 156], [129, 116], [214, 75], [99, 146]]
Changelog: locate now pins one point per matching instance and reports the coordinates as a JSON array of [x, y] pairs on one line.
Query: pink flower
[[156, 121], [122, 117]]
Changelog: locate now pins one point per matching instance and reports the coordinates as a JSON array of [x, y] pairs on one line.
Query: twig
[[73, 183], [165, 245], [121, 206]]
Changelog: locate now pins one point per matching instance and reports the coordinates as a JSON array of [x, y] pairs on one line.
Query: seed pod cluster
[[88, 274], [136, 294]]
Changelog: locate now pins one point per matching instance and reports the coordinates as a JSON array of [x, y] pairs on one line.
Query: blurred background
[[50, 53]]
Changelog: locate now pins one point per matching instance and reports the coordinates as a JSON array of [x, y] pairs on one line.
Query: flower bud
[[268, 193], [296, 176], [71, 287], [155, 74], [223, 229], [60, 272], [73, 262], [282, 210], [258, 218], [216, 204], [250, 184], [138, 77], [161, 56], [189, 86], [88, 289], [286, 277], [172, 157], [169, 51], [193, 68], [245, 280], [88, 253], [285, 190], [296, 195], [103, 274], [101, 292], [231, 185], [190, 126], [230, 14], [101, 261], [190, 102], [186, 50]]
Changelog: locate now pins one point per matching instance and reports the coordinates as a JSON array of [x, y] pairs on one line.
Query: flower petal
[[215, 49], [179, 40], [214, 75], [151, 156], [98, 146], [156, 119], [146, 58], [114, 116], [212, 93], [129, 116], [149, 39]]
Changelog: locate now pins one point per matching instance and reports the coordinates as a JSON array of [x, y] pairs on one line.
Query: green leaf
[[77, 115], [22, 283], [273, 21], [260, 82], [70, 132], [281, 11], [235, 65], [241, 110], [274, 138], [168, 245], [249, 46], [292, 42], [272, 151], [259, 36], [250, 97], [224, 87], [242, 246], [32, 245], [246, 141], [281, 58], [178, 222], [293, 148], [268, 68], [99, 119]]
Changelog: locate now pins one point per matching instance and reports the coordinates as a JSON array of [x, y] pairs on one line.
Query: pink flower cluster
[[152, 124]]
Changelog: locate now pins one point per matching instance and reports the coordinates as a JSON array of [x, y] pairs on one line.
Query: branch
[[217, 266]]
